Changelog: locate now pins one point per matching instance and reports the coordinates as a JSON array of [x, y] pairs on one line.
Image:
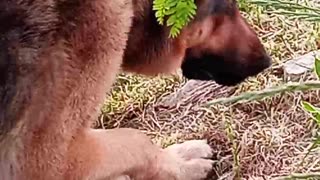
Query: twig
[[299, 176], [314, 145], [257, 95]]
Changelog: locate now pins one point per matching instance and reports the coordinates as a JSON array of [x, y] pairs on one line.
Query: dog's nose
[[263, 63], [267, 61]]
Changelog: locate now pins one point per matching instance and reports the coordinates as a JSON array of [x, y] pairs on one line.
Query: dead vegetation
[[265, 139]]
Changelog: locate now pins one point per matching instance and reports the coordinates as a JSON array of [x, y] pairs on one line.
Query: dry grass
[[257, 140]]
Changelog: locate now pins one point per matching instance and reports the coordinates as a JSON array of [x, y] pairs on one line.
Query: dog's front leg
[[118, 153]]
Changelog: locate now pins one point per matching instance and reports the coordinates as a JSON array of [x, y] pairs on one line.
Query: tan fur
[[67, 59]]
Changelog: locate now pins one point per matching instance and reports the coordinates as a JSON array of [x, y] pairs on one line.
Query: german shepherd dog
[[58, 58]]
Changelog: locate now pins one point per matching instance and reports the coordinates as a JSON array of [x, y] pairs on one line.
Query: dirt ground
[[266, 139]]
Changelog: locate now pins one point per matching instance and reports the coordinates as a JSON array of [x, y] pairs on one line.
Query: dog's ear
[[222, 46]]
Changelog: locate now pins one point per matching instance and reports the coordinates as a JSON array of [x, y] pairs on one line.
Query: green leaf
[[317, 66], [177, 12], [171, 11], [172, 3], [172, 20], [317, 119], [308, 107], [315, 112], [159, 6]]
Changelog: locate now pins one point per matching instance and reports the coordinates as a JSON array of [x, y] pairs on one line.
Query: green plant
[[174, 13], [293, 9], [314, 111], [300, 11], [308, 107]]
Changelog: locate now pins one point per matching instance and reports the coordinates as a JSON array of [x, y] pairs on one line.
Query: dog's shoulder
[[25, 27], [37, 37]]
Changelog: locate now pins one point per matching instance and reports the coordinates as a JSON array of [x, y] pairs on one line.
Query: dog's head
[[223, 47], [217, 45]]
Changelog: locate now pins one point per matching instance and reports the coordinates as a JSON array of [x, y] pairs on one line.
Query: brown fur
[[57, 60]]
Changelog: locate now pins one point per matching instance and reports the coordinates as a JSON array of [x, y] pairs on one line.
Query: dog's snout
[[260, 65]]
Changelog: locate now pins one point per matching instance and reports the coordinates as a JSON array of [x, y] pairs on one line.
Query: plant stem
[[300, 176], [257, 95]]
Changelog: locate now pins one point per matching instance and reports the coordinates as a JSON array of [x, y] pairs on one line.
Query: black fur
[[10, 29], [215, 8], [20, 40], [224, 69]]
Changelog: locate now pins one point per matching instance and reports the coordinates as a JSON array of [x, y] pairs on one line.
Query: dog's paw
[[191, 157], [191, 149]]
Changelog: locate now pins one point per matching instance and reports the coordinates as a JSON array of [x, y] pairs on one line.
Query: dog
[[58, 58]]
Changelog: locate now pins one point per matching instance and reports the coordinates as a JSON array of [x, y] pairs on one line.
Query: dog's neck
[[145, 32]]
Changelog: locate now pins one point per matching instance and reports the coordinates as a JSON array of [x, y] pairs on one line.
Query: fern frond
[[178, 13]]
